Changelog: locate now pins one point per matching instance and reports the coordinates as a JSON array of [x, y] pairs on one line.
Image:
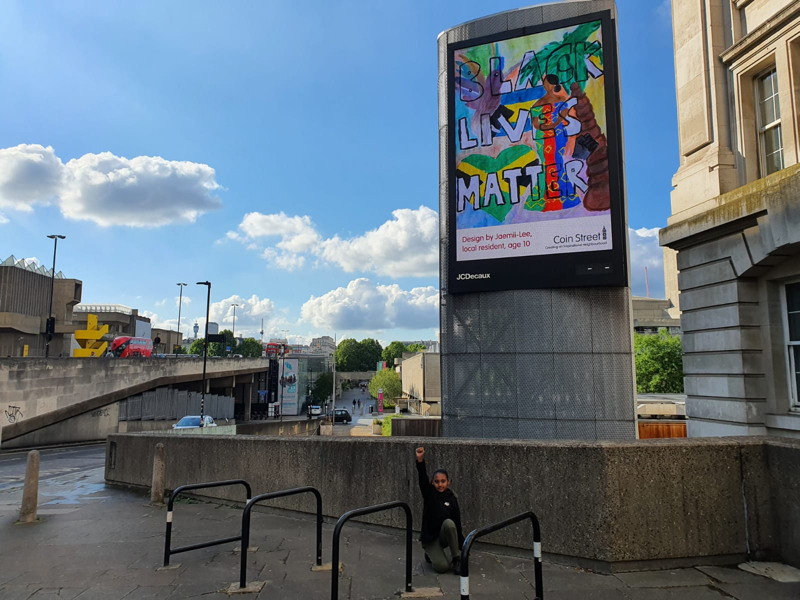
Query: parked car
[[316, 410], [189, 422], [342, 415]]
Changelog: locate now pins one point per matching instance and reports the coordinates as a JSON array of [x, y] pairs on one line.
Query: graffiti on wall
[[531, 155]]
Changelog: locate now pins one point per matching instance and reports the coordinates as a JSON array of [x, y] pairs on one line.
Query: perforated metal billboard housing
[[535, 309], [532, 143]]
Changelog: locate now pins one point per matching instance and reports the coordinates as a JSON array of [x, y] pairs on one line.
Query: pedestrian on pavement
[[354, 406], [359, 404], [441, 519]]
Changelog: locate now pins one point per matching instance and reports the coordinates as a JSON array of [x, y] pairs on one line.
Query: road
[[54, 462]]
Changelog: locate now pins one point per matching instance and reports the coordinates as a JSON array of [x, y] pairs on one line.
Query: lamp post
[[50, 328], [180, 304], [234, 325], [205, 352]]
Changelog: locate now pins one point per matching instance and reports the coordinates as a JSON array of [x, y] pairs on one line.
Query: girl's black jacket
[[437, 506]]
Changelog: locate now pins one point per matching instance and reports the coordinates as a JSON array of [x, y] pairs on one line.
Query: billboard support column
[[535, 299]]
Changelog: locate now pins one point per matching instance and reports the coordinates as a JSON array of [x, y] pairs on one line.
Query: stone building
[[25, 305], [734, 233], [652, 314]]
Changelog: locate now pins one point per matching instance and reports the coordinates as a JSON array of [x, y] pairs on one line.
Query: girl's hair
[[553, 80], [442, 471]]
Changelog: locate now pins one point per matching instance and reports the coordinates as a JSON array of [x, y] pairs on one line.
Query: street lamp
[[50, 328], [180, 304], [234, 324], [205, 352]]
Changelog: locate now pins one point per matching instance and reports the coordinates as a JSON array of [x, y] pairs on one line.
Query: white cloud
[[297, 234], [645, 252], [363, 305], [3, 219], [249, 313], [405, 246], [145, 191], [30, 174]]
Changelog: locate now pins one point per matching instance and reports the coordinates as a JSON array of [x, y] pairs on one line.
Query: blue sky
[[285, 151]]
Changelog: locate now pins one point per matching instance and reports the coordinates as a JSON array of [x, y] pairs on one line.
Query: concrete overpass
[[59, 400]]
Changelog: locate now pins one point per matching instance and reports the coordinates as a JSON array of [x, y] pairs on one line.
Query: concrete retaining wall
[[614, 505]]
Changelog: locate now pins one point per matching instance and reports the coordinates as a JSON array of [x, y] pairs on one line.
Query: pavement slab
[[110, 543]]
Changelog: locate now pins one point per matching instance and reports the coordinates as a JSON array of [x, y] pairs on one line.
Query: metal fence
[[166, 404]]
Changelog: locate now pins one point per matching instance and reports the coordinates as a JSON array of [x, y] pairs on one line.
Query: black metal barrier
[[366, 511], [198, 486], [537, 551], [246, 524]]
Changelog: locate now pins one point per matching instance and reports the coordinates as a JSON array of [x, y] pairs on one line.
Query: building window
[[770, 141], [793, 340]]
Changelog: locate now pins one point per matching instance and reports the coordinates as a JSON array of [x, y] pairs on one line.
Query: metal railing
[[168, 551], [366, 511], [537, 551], [246, 524]]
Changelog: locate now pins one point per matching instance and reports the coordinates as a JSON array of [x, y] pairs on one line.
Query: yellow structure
[[90, 339]]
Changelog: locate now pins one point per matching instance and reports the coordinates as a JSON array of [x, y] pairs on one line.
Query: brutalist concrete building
[[25, 304], [734, 233]]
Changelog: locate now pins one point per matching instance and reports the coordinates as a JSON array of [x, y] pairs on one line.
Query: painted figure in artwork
[[552, 116]]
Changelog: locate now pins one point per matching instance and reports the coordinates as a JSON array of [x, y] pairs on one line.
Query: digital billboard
[[535, 178], [289, 397]]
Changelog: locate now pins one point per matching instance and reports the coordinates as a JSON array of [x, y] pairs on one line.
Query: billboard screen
[[535, 181], [288, 381]]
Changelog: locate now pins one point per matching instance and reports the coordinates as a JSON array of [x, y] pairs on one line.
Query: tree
[[357, 356], [197, 347], [249, 348], [415, 347], [389, 381], [322, 388], [218, 349], [371, 354], [347, 355], [392, 351], [659, 363]]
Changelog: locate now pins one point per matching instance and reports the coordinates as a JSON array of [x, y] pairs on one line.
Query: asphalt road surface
[[53, 462]]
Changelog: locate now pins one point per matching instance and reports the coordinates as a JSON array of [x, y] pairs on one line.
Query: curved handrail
[[366, 511], [537, 551], [197, 486], [246, 524]]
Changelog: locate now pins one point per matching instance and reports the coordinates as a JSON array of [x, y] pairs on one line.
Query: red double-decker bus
[[125, 347]]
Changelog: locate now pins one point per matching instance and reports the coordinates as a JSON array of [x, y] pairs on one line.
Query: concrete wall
[[615, 506]]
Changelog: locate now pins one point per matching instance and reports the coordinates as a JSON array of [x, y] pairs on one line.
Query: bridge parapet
[[35, 390]]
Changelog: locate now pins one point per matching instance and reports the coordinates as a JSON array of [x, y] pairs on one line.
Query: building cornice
[[759, 35]]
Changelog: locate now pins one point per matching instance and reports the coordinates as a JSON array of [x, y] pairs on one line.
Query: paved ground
[[99, 543]]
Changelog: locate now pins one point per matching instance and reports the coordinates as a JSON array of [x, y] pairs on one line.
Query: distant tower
[[196, 329]]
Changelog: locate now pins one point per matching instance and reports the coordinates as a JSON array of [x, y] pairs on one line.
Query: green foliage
[[197, 347], [396, 349], [357, 356], [659, 363], [389, 380], [392, 351], [249, 348], [322, 388], [218, 349], [386, 424]]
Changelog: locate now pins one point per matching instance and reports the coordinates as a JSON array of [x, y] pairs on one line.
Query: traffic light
[[50, 326]]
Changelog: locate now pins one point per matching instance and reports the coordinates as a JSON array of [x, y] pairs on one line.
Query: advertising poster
[[288, 387], [535, 175]]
